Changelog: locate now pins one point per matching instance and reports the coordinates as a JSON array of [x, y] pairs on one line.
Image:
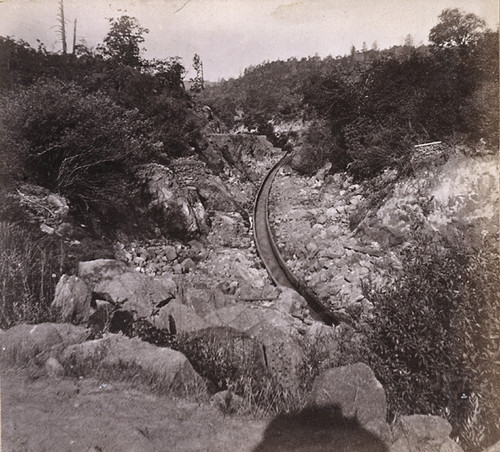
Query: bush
[[433, 337], [374, 146], [319, 147], [82, 146], [30, 267]]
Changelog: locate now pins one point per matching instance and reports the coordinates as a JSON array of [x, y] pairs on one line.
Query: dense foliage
[[374, 106], [433, 336], [78, 124]]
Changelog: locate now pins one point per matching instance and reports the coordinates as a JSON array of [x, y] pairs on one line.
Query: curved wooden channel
[[270, 255]]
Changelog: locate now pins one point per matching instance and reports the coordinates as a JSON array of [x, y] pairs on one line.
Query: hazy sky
[[230, 35]]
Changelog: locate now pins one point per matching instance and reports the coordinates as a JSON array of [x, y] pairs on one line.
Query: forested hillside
[[369, 109]]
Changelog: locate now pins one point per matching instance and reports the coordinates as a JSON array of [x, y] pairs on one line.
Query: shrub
[[30, 267], [319, 147], [80, 145], [433, 336], [374, 146]]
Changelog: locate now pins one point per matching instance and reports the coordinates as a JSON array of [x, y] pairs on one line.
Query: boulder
[[24, 343], [188, 265], [168, 282], [100, 270], [291, 302], [170, 252], [72, 299], [53, 368], [243, 317], [116, 354], [225, 355], [422, 433], [284, 356], [229, 230], [272, 328], [203, 301], [184, 319], [177, 210], [134, 291], [356, 391]]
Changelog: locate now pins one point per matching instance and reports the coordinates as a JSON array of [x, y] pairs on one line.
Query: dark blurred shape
[[316, 429]]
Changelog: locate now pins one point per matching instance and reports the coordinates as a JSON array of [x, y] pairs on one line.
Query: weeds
[[29, 270]]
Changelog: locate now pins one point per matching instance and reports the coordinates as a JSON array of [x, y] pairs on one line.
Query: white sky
[[230, 35]]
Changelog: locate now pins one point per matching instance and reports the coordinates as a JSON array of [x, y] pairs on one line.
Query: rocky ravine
[[213, 290], [311, 219]]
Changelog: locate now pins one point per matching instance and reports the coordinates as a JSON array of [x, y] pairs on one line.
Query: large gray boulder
[[72, 299], [422, 433], [202, 301], [100, 270], [134, 291], [184, 318], [34, 343], [177, 209], [284, 355], [275, 330], [356, 391], [225, 355], [123, 357]]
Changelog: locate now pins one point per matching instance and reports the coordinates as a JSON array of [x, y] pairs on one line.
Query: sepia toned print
[[249, 225]]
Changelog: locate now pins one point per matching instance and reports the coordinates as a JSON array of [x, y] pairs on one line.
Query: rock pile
[[310, 220]]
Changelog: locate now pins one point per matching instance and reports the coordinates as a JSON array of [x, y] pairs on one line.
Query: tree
[[62, 26], [409, 41], [122, 43], [457, 29], [198, 81]]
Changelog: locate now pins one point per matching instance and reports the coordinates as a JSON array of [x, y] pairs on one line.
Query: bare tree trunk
[[74, 37], [62, 26]]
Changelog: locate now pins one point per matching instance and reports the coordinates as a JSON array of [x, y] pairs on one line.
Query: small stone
[[46, 229], [170, 253], [54, 368], [187, 265]]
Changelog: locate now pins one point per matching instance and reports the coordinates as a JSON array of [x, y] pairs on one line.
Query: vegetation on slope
[[372, 107], [77, 124]]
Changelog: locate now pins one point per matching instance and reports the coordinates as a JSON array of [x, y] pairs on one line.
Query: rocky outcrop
[[357, 392], [203, 301], [177, 210], [179, 316], [72, 299], [124, 357], [241, 155], [34, 343], [421, 433], [132, 290]]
